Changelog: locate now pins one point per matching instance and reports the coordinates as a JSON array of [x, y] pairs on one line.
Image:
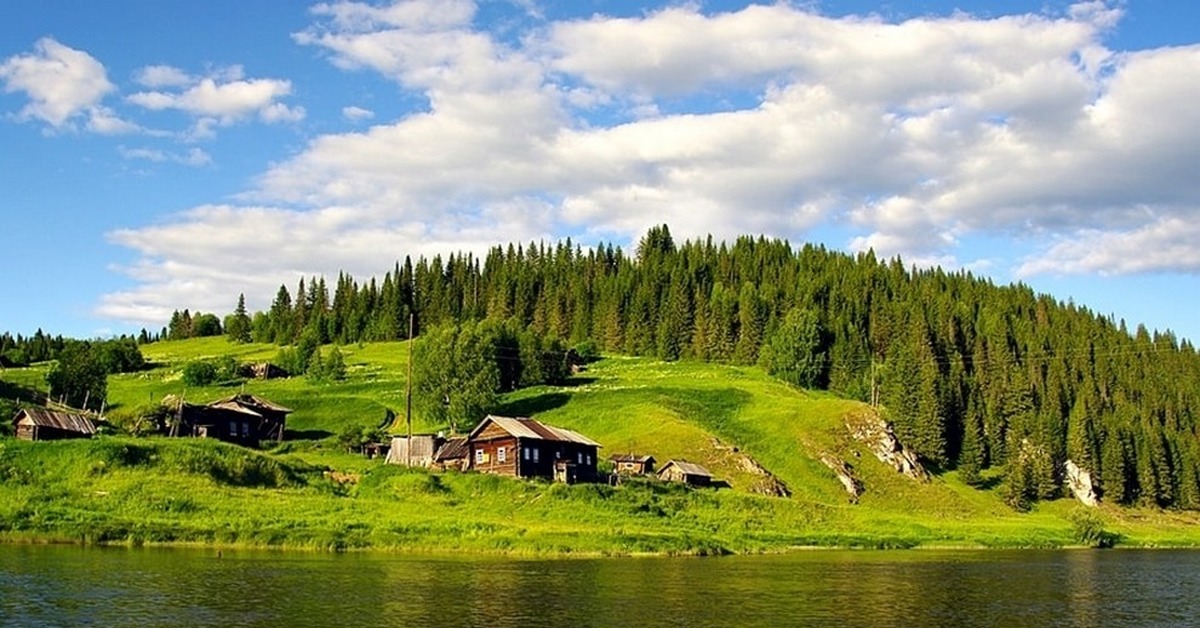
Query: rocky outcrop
[[1079, 482], [845, 475], [879, 437], [765, 482]]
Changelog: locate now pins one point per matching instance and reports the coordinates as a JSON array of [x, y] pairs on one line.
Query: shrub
[[199, 373], [1089, 530]]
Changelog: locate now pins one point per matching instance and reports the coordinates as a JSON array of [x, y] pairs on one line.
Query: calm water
[[57, 586]]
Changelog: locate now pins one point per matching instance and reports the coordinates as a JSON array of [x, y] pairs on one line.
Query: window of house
[[479, 457], [580, 455], [246, 429], [501, 454], [535, 454], [525, 452], [233, 429], [589, 459]]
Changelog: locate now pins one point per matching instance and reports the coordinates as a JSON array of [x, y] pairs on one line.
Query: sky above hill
[[168, 155]]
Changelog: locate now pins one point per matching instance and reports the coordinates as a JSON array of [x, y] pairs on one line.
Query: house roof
[[59, 420], [251, 402], [453, 449], [523, 427], [632, 458], [689, 468]]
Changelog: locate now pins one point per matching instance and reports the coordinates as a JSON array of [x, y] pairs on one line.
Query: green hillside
[[309, 493]]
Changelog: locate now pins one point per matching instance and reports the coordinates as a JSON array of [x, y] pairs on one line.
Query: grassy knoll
[[306, 493]]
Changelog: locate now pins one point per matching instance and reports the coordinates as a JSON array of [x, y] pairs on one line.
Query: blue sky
[[163, 155]]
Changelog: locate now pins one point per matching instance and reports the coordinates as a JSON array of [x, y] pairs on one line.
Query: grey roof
[[632, 458], [453, 449], [523, 427], [689, 468], [59, 420], [249, 402]]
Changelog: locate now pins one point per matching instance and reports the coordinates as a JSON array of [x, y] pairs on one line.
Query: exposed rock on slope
[[877, 434], [1079, 482], [765, 482], [845, 475]]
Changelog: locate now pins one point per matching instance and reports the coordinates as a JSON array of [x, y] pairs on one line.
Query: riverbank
[[162, 492]]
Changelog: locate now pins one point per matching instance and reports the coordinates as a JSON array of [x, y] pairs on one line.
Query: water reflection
[[116, 587]]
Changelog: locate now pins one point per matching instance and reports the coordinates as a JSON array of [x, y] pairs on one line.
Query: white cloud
[[1167, 243], [193, 157], [225, 97], [60, 82], [105, 121], [912, 135], [156, 76], [357, 114]]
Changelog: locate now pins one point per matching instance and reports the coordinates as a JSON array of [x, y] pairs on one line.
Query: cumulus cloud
[[357, 114], [62, 83], [156, 76], [225, 97], [910, 135]]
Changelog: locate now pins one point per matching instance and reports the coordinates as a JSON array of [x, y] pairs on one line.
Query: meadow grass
[[308, 493]]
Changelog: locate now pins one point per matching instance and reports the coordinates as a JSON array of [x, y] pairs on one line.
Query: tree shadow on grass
[[306, 434], [576, 381], [17, 392], [534, 405]]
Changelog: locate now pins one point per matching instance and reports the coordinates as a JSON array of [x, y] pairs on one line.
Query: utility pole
[[874, 386], [408, 394]]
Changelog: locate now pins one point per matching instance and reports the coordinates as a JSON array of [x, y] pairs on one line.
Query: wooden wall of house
[[497, 455], [31, 432]]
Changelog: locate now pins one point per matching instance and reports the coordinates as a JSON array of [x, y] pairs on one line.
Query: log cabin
[[689, 473], [241, 419], [632, 464], [525, 448]]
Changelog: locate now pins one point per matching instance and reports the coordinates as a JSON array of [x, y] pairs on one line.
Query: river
[[76, 586]]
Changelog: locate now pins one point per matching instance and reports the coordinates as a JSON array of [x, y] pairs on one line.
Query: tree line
[[972, 374]]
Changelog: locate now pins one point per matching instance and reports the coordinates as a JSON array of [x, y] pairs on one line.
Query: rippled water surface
[[71, 586]]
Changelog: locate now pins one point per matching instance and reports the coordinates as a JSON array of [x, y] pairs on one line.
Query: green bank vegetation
[[310, 493]]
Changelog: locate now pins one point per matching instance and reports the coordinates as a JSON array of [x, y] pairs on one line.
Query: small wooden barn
[[241, 419], [523, 447], [453, 454], [632, 464], [687, 472], [43, 424]]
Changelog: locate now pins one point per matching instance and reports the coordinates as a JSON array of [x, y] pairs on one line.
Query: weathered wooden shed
[[689, 473], [524, 447], [453, 454], [43, 424], [418, 452], [632, 464]]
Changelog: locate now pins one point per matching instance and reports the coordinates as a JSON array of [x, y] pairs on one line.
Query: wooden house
[[687, 472], [241, 419], [42, 424], [523, 447], [632, 464]]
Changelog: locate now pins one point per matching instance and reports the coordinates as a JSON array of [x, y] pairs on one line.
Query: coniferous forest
[[972, 375]]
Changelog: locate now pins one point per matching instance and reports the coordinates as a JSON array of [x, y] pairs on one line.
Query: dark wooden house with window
[[525, 448], [43, 424], [632, 464], [241, 419]]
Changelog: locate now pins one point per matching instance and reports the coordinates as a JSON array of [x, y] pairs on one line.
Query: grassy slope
[[188, 491]]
